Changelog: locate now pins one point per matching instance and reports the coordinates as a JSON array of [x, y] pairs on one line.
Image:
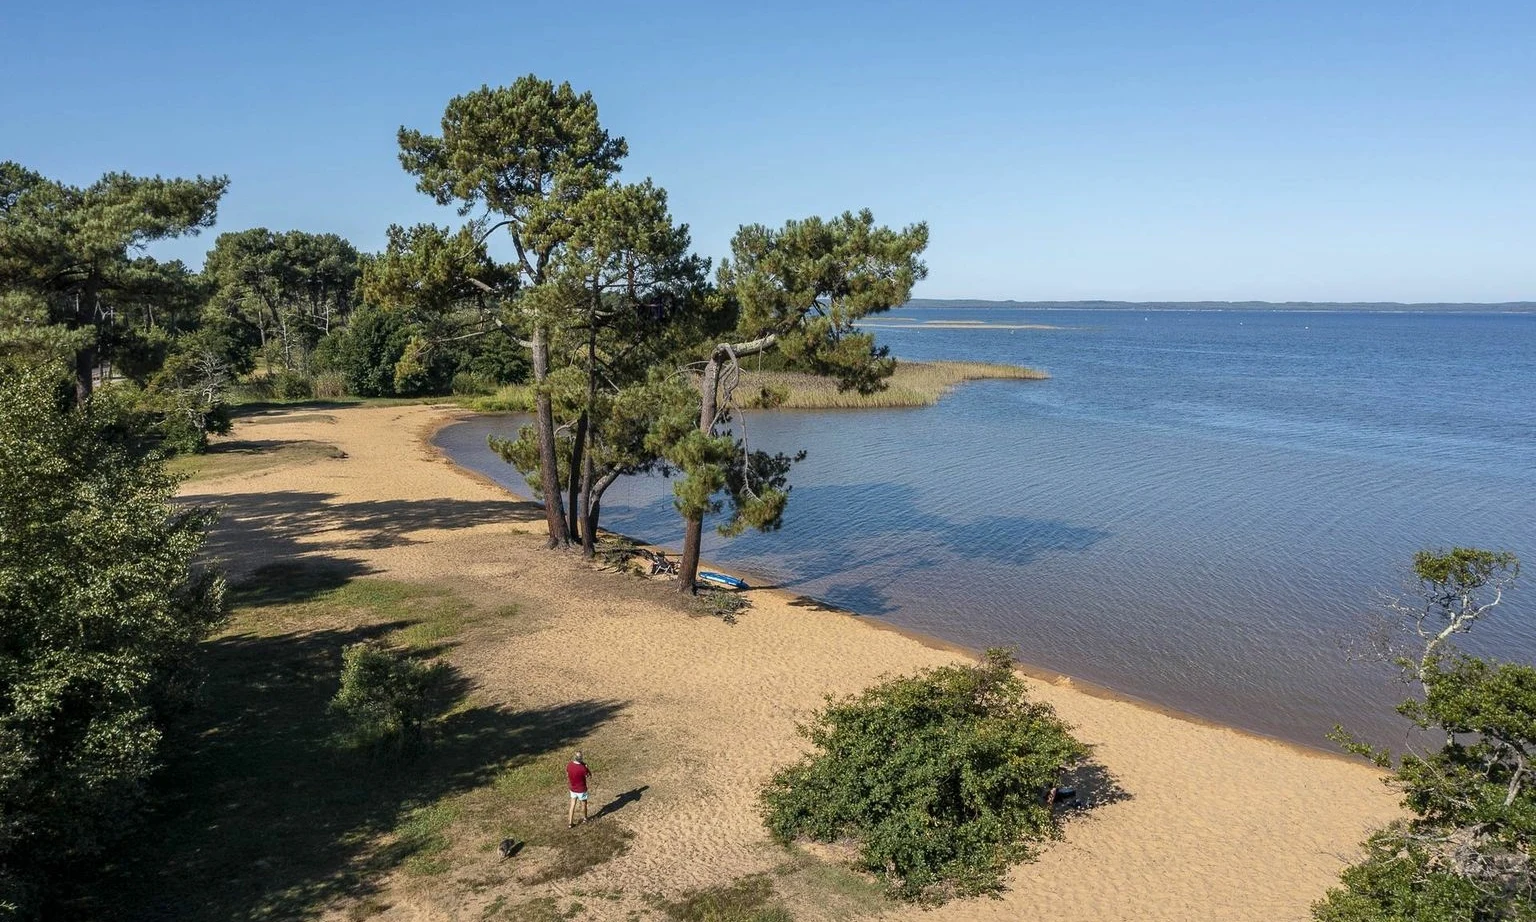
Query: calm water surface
[[1200, 508]]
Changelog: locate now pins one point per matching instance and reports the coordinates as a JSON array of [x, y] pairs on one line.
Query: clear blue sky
[[1308, 150]]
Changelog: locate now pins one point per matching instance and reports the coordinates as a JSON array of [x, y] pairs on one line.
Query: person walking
[[577, 773]]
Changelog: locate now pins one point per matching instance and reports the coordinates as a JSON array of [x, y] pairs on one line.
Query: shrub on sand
[[940, 778], [383, 700]]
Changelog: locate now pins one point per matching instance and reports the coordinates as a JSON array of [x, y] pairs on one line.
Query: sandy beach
[[1216, 824]]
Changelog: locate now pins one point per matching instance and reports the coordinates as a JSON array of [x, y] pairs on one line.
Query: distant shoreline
[[1505, 307]]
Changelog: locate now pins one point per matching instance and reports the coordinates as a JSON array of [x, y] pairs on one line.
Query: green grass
[[914, 384], [511, 398], [838, 890], [747, 899]]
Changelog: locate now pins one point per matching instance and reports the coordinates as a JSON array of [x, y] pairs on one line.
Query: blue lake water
[[1202, 509]]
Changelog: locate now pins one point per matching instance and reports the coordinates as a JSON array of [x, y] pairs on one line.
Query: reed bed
[[914, 384]]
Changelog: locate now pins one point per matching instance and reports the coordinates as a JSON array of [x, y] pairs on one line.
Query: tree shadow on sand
[[262, 815], [287, 525]]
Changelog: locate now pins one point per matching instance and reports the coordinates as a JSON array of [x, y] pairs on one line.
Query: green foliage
[[504, 147], [1465, 853], [748, 899], [291, 385], [939, 777], [74, 283], [102, 610], [384, 699], [811, 281], [1463, 568], [370, 348], [287, 290], [1398, 882]]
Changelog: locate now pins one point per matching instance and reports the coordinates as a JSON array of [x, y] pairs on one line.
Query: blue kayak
[[720, 579]]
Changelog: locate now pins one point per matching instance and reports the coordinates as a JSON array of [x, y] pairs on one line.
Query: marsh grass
[[510, 398], [914, 384]]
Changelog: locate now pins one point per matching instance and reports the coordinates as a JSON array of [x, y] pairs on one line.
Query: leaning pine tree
[[800, 289], [101, 608]]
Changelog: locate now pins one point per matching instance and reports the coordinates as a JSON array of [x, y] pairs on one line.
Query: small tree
[[941, 778], [383, 698], [101, 610], [1464, 855]]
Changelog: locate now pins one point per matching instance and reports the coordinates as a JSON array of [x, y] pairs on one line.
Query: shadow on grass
[[289, 582], [264, 818]]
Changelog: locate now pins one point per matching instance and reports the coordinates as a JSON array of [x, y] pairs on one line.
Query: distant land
[[1504, 307]]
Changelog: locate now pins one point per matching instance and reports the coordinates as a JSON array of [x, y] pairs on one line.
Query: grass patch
[[747, 899], [282, 597], [511, 398], [283, 418], [538, 909], [579, 850], [838, 890], [914, 384], [421, 838], [235, 457]]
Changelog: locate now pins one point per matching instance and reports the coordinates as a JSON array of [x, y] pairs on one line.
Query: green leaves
[[73, 258], [512, 149], [384, 696], [100, 612], [1465, 853], [940, 777], [810, 282]]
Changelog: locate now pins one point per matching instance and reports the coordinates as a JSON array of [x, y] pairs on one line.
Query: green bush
[[940, 778], [384, 699], [498, 358], [1398, 882], [101, 610], [290, 385], [369, 349], [470, 384]]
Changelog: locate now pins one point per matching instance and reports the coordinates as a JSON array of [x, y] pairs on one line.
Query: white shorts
[[580, 796]]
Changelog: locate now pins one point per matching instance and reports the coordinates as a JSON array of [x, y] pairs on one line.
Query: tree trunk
[[593, 492], [589, 526], [577, 487], [581, 458], [693, 529], [86, 356], [85, 372], [549, 470]]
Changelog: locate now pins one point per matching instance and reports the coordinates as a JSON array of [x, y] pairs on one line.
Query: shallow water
[[1201, 508]]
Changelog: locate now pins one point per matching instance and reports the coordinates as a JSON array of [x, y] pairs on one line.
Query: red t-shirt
[[577, 773]]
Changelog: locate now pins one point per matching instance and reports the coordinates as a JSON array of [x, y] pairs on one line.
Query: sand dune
[[1218, 825]]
